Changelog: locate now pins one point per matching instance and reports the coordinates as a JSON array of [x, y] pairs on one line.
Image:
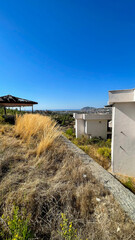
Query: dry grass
[[40, 128], [128, 182], [58, 182], [91, 150]]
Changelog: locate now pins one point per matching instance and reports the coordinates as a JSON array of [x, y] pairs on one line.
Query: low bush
[[84, 140], [16, 226], [70, 132], [95, 140], [105, 152], [129, 183], [100, 142], [108, 143], [85, 149], [68, 232], [1, 119], [65, 119], [104, 143]]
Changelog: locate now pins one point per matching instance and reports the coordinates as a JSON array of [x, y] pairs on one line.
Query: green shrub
[[63, 122], [101, 142], [16, 226], [95, 140], [85, 149], [70, 132], [130, 185], [68, 232], [105, 152], [64, 119], [83, 140], [1, 119], [108, 143]]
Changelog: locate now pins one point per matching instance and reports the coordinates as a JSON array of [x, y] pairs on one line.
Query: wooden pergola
[[11, 101]]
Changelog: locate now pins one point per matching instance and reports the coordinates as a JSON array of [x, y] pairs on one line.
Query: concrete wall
[[121, 96], [94, 125], [93, 128], [123, 138], [78, 116], [99, 116], [79, 127], [123, 196], [97, 128]]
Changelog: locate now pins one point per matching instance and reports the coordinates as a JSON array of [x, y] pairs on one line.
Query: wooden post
[[5, 111], [32, 108]]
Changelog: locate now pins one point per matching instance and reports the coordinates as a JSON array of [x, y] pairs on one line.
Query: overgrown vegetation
[[68, 232], [70, 132], [105, 152], [10, 111], [97, 148], [55, 181], [64, 119], [10, 116], [15, 226], [128, 182], [1, 119]]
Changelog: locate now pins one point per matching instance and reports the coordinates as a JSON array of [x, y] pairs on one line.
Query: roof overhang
[[121, 96], [16, 104], [108, 106], [12, 101]]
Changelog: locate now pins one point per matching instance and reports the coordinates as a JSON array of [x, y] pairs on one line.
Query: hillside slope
[[55, 182]]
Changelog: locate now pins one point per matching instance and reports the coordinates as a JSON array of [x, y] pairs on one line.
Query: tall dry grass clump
[[41, 130]]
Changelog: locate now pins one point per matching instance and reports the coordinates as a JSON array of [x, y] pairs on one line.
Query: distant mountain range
[[96, 110]]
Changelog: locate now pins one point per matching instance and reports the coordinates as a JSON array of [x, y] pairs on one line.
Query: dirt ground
[[57, 182]]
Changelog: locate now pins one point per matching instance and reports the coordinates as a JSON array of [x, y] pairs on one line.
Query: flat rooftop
[[92, 116]]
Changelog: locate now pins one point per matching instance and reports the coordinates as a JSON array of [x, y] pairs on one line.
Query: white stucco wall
[[97, 128], [121, 96], [79, 127], [85, 126], [94, 125], [123, 138]]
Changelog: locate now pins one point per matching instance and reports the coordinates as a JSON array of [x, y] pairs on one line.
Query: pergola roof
[[11, 101]]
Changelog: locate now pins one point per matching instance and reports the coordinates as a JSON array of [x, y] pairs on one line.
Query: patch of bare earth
[[56, 182]]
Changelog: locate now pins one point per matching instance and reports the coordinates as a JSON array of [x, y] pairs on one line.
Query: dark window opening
[[109, 136], [109, 129]]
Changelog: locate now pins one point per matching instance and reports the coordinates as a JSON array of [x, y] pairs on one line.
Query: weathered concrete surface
[[123, 196]]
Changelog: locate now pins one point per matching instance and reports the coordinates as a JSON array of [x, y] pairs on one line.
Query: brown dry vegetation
[[128, 182], [92, 151], [57, 181], [37, 130]]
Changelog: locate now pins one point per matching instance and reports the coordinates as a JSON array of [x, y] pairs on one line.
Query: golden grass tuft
[[41, 130]]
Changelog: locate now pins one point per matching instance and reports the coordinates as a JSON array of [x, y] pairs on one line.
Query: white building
[[123, 131], [93, 125]]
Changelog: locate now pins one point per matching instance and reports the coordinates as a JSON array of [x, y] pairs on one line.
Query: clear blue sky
[[66, 53]]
